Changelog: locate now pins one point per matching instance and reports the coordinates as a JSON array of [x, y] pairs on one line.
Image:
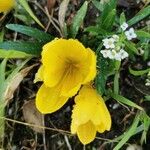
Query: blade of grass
[[29, 31], [138, 73], [78, 19], [26, 6], [124, 100], [33, 48], [141, 15], [13, 54], [129, 133]]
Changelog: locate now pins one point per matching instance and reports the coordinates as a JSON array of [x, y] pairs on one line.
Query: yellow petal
[[92, 67], [71, 83], [83, 111], [105, 115], [48, 100], [6, 5], [100, 128], [86, 132], [54, 68], [90, 106], [73, 127], [39, 74]]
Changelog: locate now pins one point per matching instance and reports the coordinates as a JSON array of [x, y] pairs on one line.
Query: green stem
[[116, 77]]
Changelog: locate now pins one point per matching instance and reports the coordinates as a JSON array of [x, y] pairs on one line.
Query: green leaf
[[26, 6], [141, 15], [2, 79], [33, 48], [147, 98], [129, 133], [95, 30], [142, 34], [33, 32], [2, 122], [13, 54], [98, 5], [2, 36], [109, 20], [78, 19], [131, 46], [100, 80], [138, 73], [122, 18], [146, 123], [108, 7], [124, 100]]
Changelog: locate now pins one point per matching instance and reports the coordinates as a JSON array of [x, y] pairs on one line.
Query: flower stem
[[116, 77]]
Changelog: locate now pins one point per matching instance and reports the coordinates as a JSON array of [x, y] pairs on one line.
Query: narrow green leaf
[[100, 80], [131, 46], [96, 30], [13, 54], [33, 48], [129, 133], [2, 36], [109, 20], [147, 98], [33, 32], [2, 79], [122, 18], [141, 15], [146, 122], [2, 71], [124, 100], [142, 34], [26, 6], [108, 7], [98, 5], [78, 19], [138, 73], [2, 122]]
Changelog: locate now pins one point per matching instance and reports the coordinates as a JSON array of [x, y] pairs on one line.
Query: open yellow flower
[[6, 5], [89, 115], [66, 65]]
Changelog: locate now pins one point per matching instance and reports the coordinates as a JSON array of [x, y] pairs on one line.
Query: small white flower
[[105, 53], [115, 37], [123, 54], [147, 82], [130, 34], [112, 54], [109, 43], [117, 57], [124, 26]]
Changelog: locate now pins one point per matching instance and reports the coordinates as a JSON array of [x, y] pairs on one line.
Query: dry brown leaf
[[50, 4], [32, 115], [14, 83], [62, 13]]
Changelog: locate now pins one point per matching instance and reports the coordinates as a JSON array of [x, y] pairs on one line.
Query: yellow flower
[[66, 65], [6, 5], [89, 115]]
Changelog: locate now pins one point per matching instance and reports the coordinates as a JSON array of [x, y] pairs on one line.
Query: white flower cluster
[[130, 34], [113, 51], [148, 80]]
